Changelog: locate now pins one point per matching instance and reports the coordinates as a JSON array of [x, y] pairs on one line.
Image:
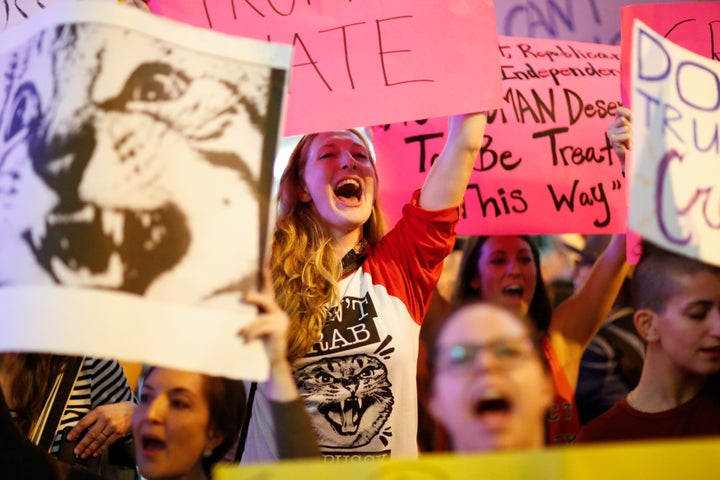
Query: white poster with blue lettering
[[675, 167]]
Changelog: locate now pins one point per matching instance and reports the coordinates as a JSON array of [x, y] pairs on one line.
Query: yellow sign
[[696, 460]]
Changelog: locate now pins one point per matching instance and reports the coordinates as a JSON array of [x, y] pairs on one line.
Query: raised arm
[[576, 321], [447, 180]]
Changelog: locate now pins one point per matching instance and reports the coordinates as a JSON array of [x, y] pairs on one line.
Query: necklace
[[354, 258]]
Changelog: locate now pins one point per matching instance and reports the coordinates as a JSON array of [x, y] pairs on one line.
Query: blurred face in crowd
[[490, 389], [507, 273], [171, 425]]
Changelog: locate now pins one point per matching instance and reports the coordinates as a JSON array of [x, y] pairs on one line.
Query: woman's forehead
[[335, 137], [481, 322], [505, 243]]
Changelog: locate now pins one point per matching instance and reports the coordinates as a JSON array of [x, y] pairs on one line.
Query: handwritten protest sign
[[135, 172], [695, 26], [596, 21], [546, 166], [676, 148], [690, 25], [369, 62]]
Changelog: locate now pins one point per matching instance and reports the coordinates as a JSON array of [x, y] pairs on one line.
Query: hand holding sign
[[619, 132]]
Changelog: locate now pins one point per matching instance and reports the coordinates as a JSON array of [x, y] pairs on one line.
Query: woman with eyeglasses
[[490, 385], [505, 270]]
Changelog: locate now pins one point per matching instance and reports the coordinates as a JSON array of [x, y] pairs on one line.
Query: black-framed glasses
[[507, 353]]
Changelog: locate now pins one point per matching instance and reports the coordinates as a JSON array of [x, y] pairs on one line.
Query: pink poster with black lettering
[[546, 166], [363, 63]]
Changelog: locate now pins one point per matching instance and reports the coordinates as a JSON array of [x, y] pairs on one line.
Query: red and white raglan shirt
[[359, 381]]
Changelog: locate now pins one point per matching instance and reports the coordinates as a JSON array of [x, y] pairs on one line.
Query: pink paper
[[369, 62], [695, 26], [547, 166]]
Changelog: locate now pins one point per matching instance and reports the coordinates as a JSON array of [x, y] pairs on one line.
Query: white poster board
[[675, 168], [135, 175]]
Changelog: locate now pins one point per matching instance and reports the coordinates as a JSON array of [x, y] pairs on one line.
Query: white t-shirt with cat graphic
[[359, 381]]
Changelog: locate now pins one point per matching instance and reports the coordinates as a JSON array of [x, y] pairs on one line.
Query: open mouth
[[152, 444], [118, 249], [492, 405], [348, 191], [345, 416], [514, 291]]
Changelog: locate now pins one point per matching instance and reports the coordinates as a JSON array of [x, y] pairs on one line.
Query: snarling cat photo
[[352, 397], [128, 163]]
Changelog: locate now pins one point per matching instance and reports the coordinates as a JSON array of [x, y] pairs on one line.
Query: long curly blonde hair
[[305, 269]]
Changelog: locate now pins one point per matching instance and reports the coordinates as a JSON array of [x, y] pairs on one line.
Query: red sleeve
[[408, 260]]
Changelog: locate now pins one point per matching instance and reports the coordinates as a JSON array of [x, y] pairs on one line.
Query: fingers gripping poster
[[135, 173]]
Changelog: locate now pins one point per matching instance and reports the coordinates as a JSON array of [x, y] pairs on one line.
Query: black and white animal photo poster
[[135, 176]]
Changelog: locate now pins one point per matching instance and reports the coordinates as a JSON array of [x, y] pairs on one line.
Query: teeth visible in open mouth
[[113, 225], [145, 220], [514, 290], [38, 232], [492, 400], [348, 188], [59, 165], [112, 278], [348, 181], [491, 394], [358, 401], [86, 215]]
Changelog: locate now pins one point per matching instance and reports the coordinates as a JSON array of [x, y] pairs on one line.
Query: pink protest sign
[[695, 26], [546, 166], [370, 62]]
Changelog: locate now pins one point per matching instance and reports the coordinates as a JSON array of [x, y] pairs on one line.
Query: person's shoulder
[[601, 428]]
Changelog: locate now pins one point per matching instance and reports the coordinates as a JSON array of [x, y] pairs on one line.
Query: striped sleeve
[[100, 382], [109, 384]]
